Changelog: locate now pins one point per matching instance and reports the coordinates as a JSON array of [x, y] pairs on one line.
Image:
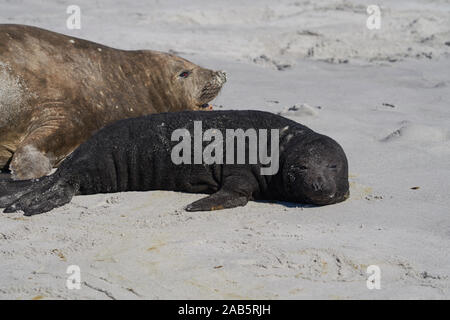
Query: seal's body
[[56, 90], [137, 155]]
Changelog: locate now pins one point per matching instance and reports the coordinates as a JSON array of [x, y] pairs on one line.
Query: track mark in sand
[[360, 191], [370, 197], [59, 254], [157, 246], [266, 61], [300, 110], [423, 279], [105, 292], [133, 292], [224, 292], [417, 133], [390, 105], [325, 265], [37, 292], [322, 265], [109, 201]]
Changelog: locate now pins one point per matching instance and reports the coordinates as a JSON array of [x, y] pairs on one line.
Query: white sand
[[388, 106]]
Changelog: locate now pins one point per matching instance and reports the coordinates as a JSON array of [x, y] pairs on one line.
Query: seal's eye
[[299, 169], [332, 166], [185, 74]]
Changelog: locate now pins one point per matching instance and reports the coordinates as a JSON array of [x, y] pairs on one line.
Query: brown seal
[[56, 90]]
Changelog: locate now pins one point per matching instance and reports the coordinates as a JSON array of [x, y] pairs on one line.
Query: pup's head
[[316, 172]]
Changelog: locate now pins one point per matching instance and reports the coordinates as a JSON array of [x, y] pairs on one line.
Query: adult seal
[[56, 90], [137, 155]]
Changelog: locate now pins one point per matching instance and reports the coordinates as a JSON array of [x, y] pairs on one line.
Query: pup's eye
[[185, 74], [299, 168], [332, 166]]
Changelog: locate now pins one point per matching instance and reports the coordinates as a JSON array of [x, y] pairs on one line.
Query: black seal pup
[[138, 155], [56, 90]]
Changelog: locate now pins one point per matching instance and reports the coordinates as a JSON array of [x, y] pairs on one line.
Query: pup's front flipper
[[217, 201], [235, 192], [43, 200]]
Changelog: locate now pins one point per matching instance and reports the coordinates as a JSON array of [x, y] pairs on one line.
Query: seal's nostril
[[317, 186]]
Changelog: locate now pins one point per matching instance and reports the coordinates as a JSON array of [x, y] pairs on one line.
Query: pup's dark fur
[[135, 155]]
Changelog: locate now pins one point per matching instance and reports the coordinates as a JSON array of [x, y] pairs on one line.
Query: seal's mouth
[[206, 106], [329, 199], [211, 90]]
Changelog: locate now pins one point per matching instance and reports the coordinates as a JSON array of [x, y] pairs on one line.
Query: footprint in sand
[[409, 132], [300, 110], [360, 191]]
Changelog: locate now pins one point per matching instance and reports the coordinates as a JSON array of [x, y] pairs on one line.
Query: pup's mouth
[[329, 199]]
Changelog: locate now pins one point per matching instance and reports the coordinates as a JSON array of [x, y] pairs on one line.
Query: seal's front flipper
[[220, 200], [56, 132], [42, 200], [29, 163]]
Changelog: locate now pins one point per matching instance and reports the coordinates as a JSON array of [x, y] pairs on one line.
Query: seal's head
[[316, 172], [194, 86]]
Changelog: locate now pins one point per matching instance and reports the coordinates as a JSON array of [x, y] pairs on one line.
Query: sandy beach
[[384, 95]]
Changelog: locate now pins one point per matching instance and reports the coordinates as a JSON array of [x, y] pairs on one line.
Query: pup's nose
[[317, 185], [221, 76]]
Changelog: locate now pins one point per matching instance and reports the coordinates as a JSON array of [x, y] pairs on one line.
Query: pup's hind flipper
[[11, 190], [43, 199], [8, 185]]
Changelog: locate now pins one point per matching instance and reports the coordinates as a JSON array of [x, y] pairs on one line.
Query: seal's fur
[[56, 90], [135, 155]]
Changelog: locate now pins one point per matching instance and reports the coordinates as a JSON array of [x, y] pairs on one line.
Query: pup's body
[[135, 155]]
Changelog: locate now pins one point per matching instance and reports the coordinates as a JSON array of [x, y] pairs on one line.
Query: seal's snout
[[212, 87], [317, 185], [321, 191], [221, 77]]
